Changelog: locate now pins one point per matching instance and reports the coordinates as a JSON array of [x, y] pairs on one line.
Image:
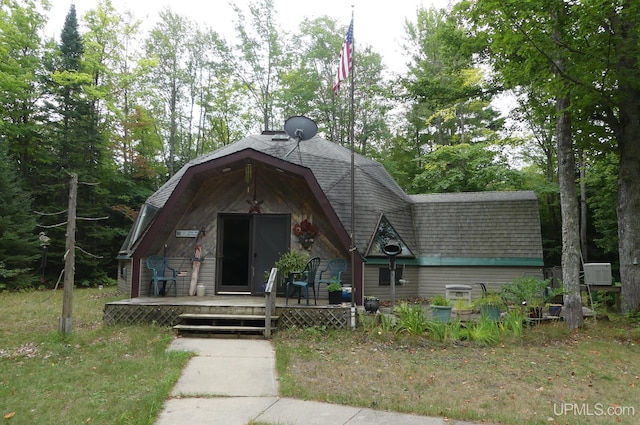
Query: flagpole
[[353, 170]]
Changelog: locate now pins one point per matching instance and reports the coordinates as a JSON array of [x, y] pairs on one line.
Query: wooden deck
[[170, 311], [218, 300]]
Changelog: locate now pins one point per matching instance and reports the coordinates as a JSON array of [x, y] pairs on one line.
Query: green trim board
[[460, 261]]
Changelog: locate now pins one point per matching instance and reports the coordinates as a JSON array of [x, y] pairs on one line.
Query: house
[[239, 204]]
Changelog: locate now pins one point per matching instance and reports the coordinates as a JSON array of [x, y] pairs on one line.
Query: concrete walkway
[[233, 381]]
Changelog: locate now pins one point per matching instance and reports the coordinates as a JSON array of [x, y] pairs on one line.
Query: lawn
[[96, 375], [123, 374], [547, 376]]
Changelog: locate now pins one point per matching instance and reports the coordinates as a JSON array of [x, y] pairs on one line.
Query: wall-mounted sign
[[187, 233]]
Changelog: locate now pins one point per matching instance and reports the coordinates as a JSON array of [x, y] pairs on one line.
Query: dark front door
[[249, 245], [270, 240]]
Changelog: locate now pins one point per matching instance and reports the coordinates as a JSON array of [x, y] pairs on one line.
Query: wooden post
[[70, 259], [270, 302]]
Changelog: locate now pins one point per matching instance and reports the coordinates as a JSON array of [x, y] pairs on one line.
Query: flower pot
[[491, 311], [371, 305], [555, 309], [441, 313], [535, 312], [463, 315], [335, 297]]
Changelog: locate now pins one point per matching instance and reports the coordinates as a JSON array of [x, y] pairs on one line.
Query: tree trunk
[[569, 211], [629, 150], [66, 320], [629, 202], [569, 208]]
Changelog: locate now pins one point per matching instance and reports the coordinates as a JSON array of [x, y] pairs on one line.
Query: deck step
[[197, 316], [210, 324], [210, 328]]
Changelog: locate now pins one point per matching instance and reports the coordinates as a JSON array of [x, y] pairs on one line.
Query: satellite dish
[[300, 128]]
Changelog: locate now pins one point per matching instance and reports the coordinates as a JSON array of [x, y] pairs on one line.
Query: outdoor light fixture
[[392, 248]]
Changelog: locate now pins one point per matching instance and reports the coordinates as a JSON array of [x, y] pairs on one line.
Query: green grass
[[95, 375], [519, 380], [123, 374]]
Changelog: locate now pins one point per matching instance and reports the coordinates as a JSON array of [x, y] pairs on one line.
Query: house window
[[384, 276]]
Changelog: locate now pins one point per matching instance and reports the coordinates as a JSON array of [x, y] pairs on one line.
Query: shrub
[[411, 319]]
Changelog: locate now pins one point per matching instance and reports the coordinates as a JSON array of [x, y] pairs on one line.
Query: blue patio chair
[[304, 279], [333, 271], [158, 266]]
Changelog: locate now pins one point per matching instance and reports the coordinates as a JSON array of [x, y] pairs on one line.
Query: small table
[[605, 288]]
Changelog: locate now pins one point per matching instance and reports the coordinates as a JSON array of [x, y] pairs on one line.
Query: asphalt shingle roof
[[485, 224]]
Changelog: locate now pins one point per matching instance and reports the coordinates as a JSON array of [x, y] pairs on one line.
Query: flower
[[305, 229]]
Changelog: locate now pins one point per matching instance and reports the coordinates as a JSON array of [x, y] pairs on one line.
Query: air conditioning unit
[[597, 274]]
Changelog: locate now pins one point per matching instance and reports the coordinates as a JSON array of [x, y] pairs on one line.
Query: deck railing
[[270, 301]]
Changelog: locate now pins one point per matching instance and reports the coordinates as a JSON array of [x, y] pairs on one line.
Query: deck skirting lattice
[[333, 317], [167, 311], [148, 314]]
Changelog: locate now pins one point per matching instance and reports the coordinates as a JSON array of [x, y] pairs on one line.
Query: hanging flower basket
[[305, 231]]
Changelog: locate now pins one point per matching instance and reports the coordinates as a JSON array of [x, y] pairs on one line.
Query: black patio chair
[[158, 266], [304, 279]]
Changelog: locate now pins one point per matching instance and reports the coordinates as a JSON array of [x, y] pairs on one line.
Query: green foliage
[[490, 299], [462, 305], [440, 300], [71, 45], [452, 103], [465, 168], [602, 185], [334, 287], [411, 319], [18, 244], [483, 332], [260, 53], [438, 330], [529, 290], [292, 261], [511, 323]]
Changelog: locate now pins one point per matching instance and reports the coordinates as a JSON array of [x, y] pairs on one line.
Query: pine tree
[[18, 244]]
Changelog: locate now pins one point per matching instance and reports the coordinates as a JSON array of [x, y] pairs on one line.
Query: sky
[[378, 23]]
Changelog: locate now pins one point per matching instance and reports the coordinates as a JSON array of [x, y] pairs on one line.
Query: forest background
[[125, 108]]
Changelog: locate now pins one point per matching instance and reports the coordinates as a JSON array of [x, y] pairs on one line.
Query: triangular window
[[385, 232]]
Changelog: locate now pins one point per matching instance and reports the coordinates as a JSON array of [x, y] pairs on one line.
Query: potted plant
[[555, 309], [441, 309], [463, 310], [531, 293], [490, 305], [335, 292], [371, 303], [289, 262]]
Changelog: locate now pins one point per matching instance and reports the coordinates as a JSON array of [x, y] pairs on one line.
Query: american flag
[[346, 59]]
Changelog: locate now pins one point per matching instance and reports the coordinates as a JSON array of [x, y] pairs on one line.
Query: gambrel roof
[[375, 191], [486, 228]]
